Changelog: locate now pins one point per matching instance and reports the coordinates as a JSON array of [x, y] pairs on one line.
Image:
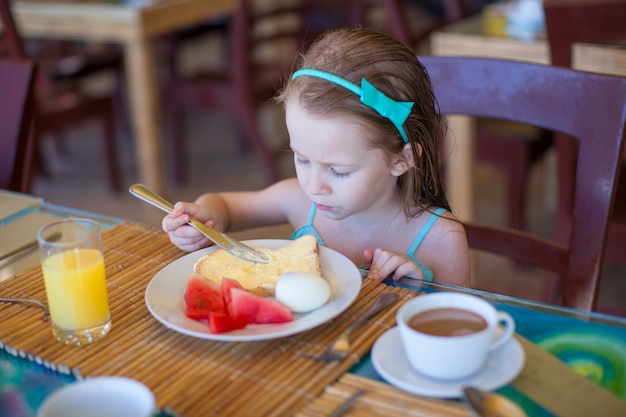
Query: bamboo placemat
[[379, 399], [196, 377]]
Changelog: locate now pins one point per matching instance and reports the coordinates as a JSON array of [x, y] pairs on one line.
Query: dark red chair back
[[10, 41], [585, 106], [250, 79], [568, 22], [59, 100], [400, 27], [16, 116]]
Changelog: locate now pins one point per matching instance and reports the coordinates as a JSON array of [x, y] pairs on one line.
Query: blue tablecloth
[[595, 350], [24, 383]]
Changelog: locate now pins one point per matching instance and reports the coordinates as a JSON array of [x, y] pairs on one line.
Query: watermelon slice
[[256, 309], [227, 285], [223, 322], [202, 297]]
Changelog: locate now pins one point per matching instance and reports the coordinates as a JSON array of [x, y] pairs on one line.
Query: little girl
[[364, 129]]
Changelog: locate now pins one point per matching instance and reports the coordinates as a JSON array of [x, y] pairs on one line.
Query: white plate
[[391, 363], [164, 297]]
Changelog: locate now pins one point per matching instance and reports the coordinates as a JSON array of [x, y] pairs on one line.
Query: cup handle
[[507, 333]]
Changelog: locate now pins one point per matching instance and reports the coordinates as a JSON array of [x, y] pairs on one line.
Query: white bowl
[[107, 396]]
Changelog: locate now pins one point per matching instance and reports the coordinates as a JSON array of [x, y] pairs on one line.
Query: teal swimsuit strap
[[312, 212], [428, 274], [425, 229], [308, 228]]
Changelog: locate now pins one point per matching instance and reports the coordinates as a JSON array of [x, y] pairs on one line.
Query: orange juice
[[76, 288]]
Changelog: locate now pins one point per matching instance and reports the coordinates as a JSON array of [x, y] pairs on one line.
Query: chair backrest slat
[[568, 22], [16, 112], [10, 41]]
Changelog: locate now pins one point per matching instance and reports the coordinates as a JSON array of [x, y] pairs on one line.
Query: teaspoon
[[490, 404]]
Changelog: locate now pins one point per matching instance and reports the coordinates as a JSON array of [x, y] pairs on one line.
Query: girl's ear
[[404, 161]]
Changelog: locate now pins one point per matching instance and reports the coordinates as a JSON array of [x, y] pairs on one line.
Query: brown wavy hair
[[394, 69]]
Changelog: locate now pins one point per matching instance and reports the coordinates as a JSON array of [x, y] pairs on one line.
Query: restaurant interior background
[[76, 178]]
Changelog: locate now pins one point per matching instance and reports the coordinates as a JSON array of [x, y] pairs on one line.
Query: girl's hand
[[384, 264], [180, 233]]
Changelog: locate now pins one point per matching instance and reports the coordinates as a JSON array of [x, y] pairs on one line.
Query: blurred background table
[[134, 24], [21, 216], [468, 38]]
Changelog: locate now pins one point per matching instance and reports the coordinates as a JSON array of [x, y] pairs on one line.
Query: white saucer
[[391, 363]]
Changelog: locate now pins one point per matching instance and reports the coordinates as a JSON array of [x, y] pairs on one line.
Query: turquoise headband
[[396, 111]]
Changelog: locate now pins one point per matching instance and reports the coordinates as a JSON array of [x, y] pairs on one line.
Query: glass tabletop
[[593, 344], [21, 216]]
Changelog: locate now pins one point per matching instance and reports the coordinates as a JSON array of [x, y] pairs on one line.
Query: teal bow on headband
[[396, 111]]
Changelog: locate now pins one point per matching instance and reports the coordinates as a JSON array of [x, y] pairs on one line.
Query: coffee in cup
[[449, 335], [447, 321]]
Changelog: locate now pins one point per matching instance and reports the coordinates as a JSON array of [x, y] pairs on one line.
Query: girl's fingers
[[408, 269], [387, 264]]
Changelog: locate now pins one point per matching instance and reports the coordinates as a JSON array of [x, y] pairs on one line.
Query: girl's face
[[335, 168]]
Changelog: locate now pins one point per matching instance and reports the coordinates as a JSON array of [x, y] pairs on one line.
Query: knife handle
[[144, 193]]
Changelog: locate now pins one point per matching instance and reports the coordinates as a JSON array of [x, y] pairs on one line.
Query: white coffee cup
[[453, 356], [108, 396]]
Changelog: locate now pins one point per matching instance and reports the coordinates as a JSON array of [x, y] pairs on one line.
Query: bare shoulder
[[287, 193], [271, 205], [286, 197], [447, 233], [448, 222], [294, 201], [289, 186]]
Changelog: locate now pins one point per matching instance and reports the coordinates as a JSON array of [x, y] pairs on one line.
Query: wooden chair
[[16, 115], [59, 99], [585, 106], [246, 82], [585, 21]]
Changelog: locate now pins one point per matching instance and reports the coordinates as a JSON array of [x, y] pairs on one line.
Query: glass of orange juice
[[75, 281]]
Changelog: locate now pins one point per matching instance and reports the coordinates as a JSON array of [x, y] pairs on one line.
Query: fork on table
[[340, 348]]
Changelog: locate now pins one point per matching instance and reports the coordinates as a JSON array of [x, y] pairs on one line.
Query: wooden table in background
[[466, 38], [133, 24]]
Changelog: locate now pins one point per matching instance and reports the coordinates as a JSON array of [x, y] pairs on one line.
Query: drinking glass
[[75, 281]]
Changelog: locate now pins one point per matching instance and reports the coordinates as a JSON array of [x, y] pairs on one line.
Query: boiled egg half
[[302, 291]]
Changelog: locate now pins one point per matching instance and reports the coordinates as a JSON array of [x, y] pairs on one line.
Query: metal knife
[[225, 242]]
